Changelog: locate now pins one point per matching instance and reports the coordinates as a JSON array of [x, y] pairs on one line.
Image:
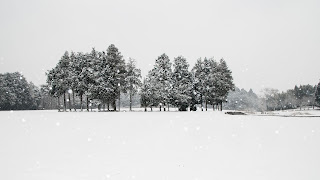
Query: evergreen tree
[[132, 79], [80, 76], [182, 83], [63, 76], [199, 81], [117, 73], [224, 82], [146, 94], [73, 78], [54, 84], [161, 80]]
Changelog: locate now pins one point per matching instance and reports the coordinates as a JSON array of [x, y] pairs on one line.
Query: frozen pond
[[45, 145]]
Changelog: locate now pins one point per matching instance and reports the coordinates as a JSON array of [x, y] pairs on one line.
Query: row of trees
[[298, 97], [272, 99], [207, 83], [96, 75], [103, 76]]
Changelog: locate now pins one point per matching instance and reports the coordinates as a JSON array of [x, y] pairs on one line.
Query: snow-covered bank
[[37, 145]]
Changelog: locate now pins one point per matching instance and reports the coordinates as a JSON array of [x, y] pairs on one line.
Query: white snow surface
[[51, 145]]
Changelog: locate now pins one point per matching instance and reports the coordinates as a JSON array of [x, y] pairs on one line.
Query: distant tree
[[304, 94], [182, 84], [132, 79], [271, 96], [240, 99], [16, 93], [47, 101], [317, 94], [35, 96]]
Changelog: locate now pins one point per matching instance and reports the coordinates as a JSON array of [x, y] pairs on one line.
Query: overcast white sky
[[266, 43]]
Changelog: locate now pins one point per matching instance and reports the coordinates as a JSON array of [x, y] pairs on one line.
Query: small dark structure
[[235, 113]]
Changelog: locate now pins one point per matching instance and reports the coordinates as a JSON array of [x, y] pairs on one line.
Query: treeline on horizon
[[104, 81], [302, 96]]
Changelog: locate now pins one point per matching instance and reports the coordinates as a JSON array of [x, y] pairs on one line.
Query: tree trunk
[[114, 105], [69, 101], [64, 102], [87, 104], [58, 103], [160, 107], [99, 107], [74, 104], [206, 103], [81, 102], [130, 100], [201, 103], [119, 101], [151, 108], [145, 109], [168, 107], [221, 106], [108, 106], [164, 107]]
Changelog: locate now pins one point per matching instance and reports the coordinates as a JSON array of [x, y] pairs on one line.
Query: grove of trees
[[101, 77], [97, 76], [207, 83]]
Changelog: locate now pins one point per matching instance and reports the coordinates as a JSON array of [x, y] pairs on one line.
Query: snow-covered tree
[[63, 76], [182, 84], [161, 80], [199, 81], [132, 79], [117, 67], [146, 94], [224, 82], [79, 66], [16, 93]]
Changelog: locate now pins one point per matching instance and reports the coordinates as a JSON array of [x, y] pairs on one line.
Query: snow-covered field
[[47, 145]]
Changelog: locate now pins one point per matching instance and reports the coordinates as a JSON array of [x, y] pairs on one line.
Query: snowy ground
[[47, 145]]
